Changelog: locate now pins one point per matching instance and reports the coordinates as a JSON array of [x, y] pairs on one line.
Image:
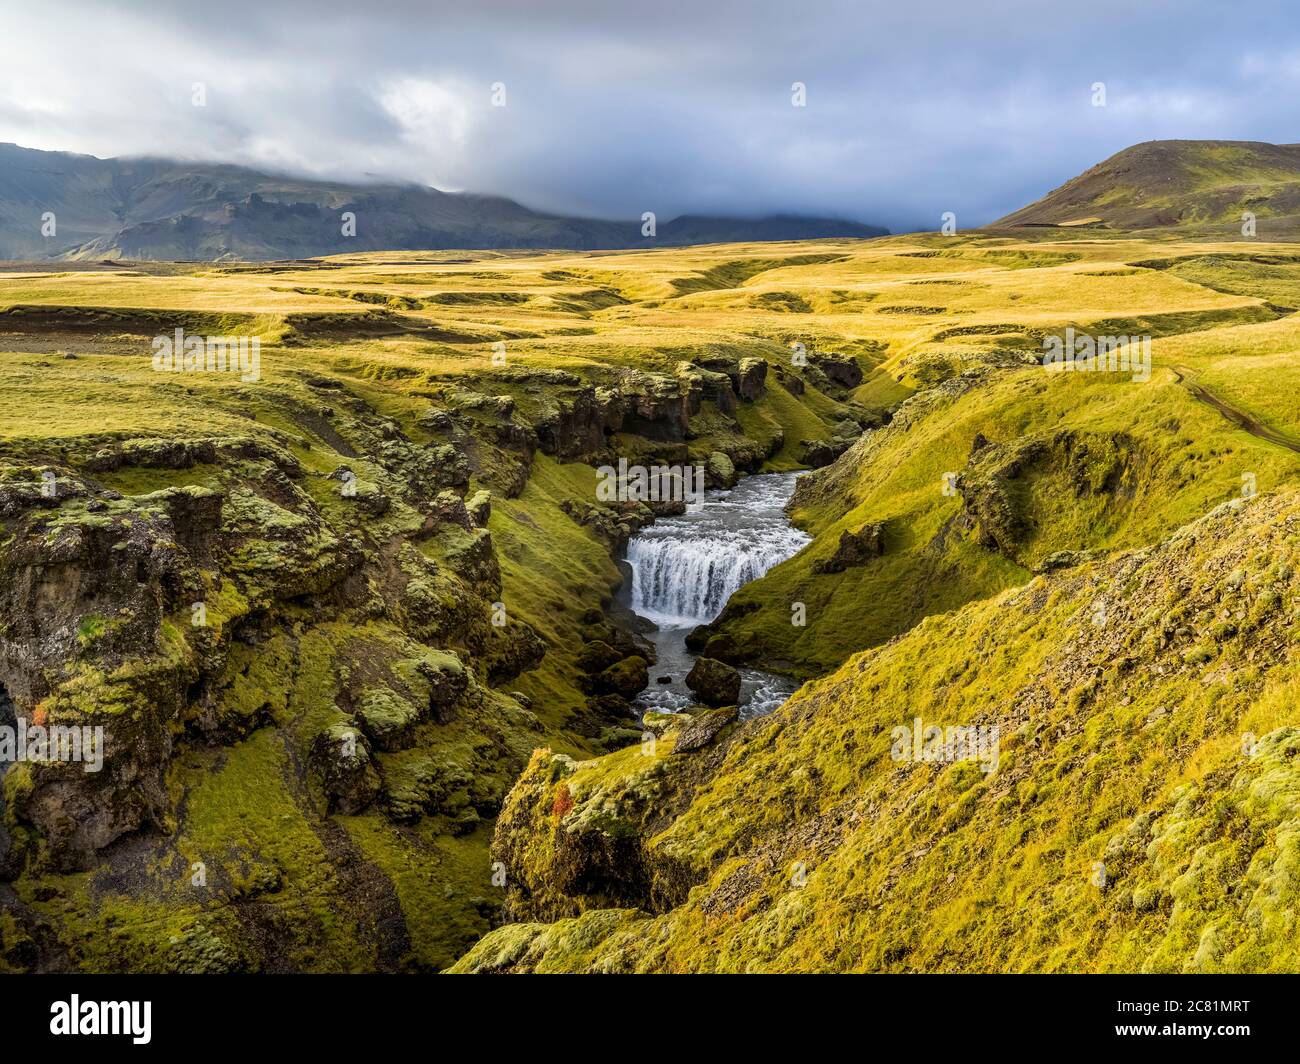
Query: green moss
[[90, 629]]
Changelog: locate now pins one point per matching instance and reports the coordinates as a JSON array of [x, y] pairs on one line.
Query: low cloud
[[675, 107]]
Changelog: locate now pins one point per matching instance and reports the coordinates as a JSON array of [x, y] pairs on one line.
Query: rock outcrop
[[1011, 491], [856, 547], [703, 728]]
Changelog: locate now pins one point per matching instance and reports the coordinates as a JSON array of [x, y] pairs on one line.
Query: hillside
[[153, 209], [1078, 561], [1041, 468], [1203, 185], [1140, 815]]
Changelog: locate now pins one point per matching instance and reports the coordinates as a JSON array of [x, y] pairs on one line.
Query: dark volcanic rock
[[703, 728], [342, 759], [1067, 559], [479, 507], [714, 682], [514, 648], [597, 656], [855, 548], [818, 453], [841, 370]]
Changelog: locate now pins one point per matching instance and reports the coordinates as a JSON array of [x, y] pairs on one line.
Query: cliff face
[[1126, 802]]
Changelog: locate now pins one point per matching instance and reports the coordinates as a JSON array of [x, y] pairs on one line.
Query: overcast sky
[[913, 107]]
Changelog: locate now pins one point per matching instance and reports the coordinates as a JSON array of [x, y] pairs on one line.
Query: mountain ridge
[[154, 209]]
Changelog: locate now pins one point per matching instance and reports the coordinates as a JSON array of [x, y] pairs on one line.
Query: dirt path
[[1238, 417]]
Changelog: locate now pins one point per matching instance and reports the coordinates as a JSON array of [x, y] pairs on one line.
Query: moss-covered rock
[[720, 471], [341, 756], [626, 678], [479, 507], [856, 547], [714, 682], [387, 718]]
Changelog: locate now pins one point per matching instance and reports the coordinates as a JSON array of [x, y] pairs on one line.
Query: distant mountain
[[158, 209], [1194, 184], [702, 229]]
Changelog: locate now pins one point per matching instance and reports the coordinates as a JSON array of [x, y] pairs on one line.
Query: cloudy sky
[[913, 107]]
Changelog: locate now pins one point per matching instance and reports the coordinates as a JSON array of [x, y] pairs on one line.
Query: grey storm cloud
[[611, 109]]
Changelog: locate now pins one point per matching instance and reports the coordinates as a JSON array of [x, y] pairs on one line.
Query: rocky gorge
[[324, 592]]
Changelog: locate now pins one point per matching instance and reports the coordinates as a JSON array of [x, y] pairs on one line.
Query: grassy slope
[[1186, 457], [1197, 185], [1159, 744], [1191, 458]]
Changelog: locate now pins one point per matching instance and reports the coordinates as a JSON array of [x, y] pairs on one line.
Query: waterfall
[[684, 569]]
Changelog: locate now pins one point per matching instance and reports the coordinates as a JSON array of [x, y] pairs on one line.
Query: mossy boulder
[[720, 471], [387, 718], [597, 655], [1014, 492], [341, 757], [626, 678], [714, 682], [818, 453], [856, 547], [447, 680], [205, 949]]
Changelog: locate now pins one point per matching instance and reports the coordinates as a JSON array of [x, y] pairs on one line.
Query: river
[[685, 568]]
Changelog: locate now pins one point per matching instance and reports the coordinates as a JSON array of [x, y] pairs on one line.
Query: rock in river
[[714, 682]]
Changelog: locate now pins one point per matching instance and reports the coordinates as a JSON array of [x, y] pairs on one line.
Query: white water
[[685, 568]]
